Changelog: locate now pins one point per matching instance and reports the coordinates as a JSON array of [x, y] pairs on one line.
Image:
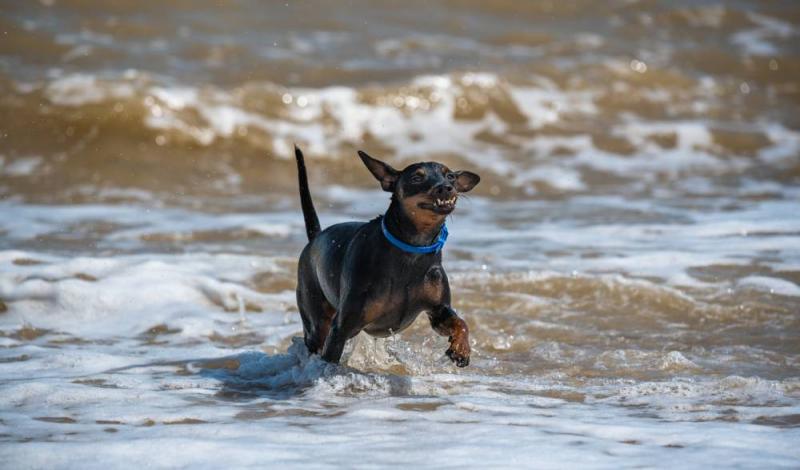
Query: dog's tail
[[309, 214]]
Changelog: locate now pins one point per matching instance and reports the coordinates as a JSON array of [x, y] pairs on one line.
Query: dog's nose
[[444, 191]]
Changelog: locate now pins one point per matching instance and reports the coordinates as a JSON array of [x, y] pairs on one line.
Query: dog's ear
[[466, 180], [384, 173]]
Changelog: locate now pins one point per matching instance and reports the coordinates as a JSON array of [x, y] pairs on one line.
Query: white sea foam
[[81, 89], [667, 250], [160, 328], [755, 41], [25, 166], [713, 237], [136, 224], [183, 289], [421, 119], [128, 345], [186, 352], [772, 285]]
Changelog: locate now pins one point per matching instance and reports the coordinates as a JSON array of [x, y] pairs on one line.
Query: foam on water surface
[[198, 350], [460, 114]]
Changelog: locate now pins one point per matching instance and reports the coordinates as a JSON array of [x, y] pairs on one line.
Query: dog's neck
[[419, 231]]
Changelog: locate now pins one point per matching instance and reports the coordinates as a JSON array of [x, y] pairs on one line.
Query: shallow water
[[629, 266]]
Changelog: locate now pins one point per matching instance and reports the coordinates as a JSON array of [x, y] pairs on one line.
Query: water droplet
[[744, 88], [161, 140], [773, 64], [287, 98], [638, 66], [302, 101]]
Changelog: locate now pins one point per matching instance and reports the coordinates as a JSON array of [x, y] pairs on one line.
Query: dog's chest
[[401, 300]]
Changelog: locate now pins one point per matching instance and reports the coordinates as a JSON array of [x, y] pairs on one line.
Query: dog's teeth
[[445, 202]]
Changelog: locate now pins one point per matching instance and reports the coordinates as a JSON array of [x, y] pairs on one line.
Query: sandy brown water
[[629, 265]]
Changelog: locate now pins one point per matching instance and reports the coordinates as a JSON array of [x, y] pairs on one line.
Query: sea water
[[629, 265]]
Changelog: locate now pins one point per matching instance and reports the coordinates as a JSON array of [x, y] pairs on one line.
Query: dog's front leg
[[347, 323], [446, 322]]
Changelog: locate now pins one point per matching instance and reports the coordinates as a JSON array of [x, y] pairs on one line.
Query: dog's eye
[[417, 179], [451, 176]]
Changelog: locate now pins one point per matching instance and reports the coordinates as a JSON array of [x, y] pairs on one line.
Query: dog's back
[[323, 258]]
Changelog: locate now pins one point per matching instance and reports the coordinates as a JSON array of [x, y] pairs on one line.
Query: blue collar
[[433, 248]]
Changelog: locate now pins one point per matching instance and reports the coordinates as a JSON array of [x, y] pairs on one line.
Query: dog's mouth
[[440, 206]]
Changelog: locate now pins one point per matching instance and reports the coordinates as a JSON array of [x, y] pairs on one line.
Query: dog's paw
[[460, 360]]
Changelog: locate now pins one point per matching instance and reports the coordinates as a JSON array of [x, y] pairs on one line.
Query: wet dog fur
[[351, 278]]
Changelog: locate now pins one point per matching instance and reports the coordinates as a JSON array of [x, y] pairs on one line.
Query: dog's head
[[425, 190]]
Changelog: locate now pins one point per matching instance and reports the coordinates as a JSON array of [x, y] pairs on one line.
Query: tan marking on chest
[[430, 289], [374, 309]]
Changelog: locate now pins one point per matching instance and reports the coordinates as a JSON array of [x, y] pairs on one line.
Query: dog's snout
[[444, 191]]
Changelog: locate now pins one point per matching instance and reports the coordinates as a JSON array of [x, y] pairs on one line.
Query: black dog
[[379, 275]]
